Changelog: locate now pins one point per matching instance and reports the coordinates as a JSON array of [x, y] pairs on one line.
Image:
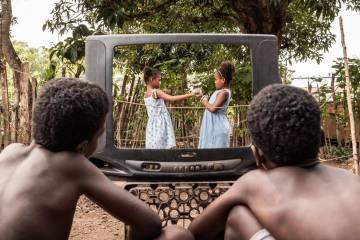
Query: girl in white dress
[[159, 129]]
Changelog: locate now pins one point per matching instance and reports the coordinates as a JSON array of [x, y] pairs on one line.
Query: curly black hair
[[67, 112], [284, 122], [226, 70], [149, 73]]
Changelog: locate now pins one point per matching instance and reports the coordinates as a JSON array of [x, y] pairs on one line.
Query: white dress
[[159, 128]]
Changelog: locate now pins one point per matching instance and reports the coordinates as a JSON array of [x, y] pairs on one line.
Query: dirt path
[[93, 223]]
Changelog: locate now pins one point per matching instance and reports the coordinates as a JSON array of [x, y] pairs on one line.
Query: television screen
[[151, 136], [182, 68]]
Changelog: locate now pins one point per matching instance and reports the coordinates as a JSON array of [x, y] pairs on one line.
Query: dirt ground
[[93, 223]]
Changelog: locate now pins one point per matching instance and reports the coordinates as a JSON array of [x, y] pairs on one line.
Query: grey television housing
[[182, 164]]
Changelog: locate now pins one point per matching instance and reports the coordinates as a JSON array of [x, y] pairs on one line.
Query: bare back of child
[[41, 183], [291, 195]]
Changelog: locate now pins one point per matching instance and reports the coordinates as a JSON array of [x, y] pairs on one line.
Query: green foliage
[[307, 34], [323, 97], [286, 74], [185, 66], [303, 26], [354, 71], [36, 57], [68, 56], [341, 153]]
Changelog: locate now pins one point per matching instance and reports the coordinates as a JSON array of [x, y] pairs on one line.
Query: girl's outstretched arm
[[167, 97], [219, 101]]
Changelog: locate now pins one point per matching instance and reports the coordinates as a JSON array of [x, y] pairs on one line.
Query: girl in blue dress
[[159, 129], [215, 127]]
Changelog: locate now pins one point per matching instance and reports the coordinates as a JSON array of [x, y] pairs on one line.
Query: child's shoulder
[[153, 93], [68, 165], [251, 180], [13, 148], [147, 94], [60, 161], [259, 179], [72, 160], [224, 91], [253, 176]]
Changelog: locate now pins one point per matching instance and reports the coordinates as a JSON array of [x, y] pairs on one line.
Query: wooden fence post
[[33, 91], [24, 105], [5, 103], [349, 102]]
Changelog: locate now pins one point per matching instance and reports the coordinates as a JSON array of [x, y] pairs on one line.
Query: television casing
[[179, 165]]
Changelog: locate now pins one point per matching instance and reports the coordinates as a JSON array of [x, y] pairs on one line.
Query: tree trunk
[[5, 102], [25, 106], [349, 102], [7, 48], [9, 52], [16, 106], [252, 19]]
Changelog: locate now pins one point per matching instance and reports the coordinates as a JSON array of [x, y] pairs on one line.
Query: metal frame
[[99, 63]]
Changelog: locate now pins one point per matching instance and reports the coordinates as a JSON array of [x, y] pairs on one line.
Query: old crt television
[[121, 153]]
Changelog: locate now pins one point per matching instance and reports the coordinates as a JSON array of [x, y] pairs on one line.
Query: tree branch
[[151, 11], [7, 48]]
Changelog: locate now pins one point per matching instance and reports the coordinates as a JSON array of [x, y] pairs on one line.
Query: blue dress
[[159, 129], [215, 127]]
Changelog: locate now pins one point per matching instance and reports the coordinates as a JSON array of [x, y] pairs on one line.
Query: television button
[[218, 166]]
